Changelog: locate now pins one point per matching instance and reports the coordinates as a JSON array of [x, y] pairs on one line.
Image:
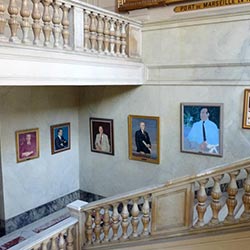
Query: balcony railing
[[210, 200], [69, 25]]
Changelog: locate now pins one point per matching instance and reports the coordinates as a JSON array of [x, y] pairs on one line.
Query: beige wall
[[108, 175], [35, 182], [195, 59]]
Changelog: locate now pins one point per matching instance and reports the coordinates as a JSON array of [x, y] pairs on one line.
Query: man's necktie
[[204, 131], [101, 140]]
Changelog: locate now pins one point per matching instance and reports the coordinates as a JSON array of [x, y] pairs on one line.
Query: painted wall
[[32, 183], [202, 59]]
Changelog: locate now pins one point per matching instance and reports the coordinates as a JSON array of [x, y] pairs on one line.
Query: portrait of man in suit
[[60, 137], [60, 141], [201, 131], [102, 141], [144, 134], [101, 135], [142, 140]]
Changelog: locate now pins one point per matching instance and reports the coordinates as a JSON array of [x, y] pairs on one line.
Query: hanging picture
[[60, 137], [246, 109], [201, 128], [27, 144], [143, 135], [101, 135]]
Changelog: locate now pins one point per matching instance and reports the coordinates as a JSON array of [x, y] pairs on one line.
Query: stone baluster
[[44, 245], [112, 36], [201, 206], [93, 33], [232, 191], [89, 229], [118, 38], [36, 26], [106, 226], [13, 23], [123, 39], [86, 29], [115, 222], [106, 35], [125, 222], [65, 24], [61, 242], [70, 239], [36, 247], [97, 225], [47, 22], [2, 21], [56, 20], [25, 25], [216, 195], [100, 32], [54, 243], [135, 219], [246, 197], [145, 217]]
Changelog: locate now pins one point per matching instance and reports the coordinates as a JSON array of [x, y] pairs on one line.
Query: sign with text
[[127, 5], [208, 4]]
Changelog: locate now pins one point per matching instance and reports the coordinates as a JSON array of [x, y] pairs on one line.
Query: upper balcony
[[67, 43]]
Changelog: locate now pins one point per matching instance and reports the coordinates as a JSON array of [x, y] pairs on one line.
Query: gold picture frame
[[144, 138], [27, 144], [246, 109], [63, 141]]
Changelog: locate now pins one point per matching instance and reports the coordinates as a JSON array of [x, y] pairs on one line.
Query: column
[[46, 22], [13, 23], [25, 25], [36, 26], [56, 23]]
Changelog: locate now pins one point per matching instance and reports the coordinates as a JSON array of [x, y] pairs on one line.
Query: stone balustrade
[[187, 205], [63, 236], [69, 25]]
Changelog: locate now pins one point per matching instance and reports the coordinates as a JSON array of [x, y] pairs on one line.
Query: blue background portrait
[[65, 130]]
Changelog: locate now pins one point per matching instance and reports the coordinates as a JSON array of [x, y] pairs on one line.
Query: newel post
[[75, 209], [76, 28], [132, 40]]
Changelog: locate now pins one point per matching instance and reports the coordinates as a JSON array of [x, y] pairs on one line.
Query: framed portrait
[[60, 137], [143, 138], [201, 128], [101, 135], [27, 144], [246, 109]]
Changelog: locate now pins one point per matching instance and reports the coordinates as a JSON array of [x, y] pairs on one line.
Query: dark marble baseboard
[[21, 220], [89, 197]]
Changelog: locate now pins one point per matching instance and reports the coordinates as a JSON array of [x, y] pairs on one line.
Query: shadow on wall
[[102, 93]]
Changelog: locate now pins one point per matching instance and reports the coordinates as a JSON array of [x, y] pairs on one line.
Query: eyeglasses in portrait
[[60, 137], [27, 144], [246, 109], [144, 132], [201, 128], [101, 135]]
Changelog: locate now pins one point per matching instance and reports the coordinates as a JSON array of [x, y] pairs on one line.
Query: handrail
[[169, 184], [168, 209], [104, 11], [49, 234]]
